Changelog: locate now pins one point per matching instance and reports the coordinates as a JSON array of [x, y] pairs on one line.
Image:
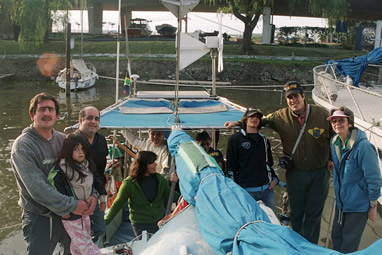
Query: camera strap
[[301, 131]]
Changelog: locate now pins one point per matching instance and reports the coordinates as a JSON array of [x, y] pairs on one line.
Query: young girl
[[74, 177], [146, 191]]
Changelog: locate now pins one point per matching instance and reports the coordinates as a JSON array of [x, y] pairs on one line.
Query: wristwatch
[[373, 206]]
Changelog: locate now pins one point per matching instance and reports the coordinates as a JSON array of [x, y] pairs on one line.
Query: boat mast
[[82, 28], [177, 120], [117, 64]]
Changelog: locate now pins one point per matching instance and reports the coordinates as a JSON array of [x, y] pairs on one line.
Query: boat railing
[[337, 91]]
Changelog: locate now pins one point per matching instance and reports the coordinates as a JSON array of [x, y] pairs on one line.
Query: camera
[[286, 162]]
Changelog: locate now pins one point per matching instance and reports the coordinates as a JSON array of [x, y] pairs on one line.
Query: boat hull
[[330, 92], [82, 75], [85, 83]]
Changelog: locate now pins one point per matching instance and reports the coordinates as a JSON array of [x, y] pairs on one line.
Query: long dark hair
[[139, 166], [70, 142]]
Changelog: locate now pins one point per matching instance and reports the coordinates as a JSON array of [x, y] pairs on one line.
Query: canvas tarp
[[230, 219]]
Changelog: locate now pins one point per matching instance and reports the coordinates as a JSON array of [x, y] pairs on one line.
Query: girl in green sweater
[[147, 193]]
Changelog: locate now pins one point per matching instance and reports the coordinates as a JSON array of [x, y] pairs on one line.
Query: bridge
[[359, 10]]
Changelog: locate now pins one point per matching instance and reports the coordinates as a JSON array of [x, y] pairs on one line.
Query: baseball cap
[[292, 87], [252, 111], [338, 114]]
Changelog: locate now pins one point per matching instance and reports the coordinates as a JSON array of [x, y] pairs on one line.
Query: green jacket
[[314, 149], [141, 210]]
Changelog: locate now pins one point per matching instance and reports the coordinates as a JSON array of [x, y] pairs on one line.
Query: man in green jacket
[[308, 180]]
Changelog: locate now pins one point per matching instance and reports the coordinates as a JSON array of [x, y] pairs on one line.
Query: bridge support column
[[378, 35], [95, 17], [267, 27]]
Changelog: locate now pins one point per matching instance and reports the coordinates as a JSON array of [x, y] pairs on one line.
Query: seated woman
[[146, 191]]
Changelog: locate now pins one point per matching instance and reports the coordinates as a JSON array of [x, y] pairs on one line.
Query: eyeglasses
[[341, 121]]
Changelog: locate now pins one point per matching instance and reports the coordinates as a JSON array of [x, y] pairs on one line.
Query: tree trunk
[[16, 32], [246, 47]]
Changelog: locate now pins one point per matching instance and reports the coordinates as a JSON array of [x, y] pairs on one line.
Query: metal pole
[[172, 189], [67, 84], [117, 64], [177, 120], [213, 57], [82, 28], [330, 223]]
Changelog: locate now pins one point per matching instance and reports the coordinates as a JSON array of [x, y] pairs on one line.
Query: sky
[[207, 22]]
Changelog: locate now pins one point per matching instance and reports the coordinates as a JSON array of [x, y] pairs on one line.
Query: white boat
[[344, 83], [82, 75], [221, 217]]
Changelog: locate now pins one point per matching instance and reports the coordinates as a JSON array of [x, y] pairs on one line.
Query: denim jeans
[[267, 196], [98, 225], [43, 233], [346, 236]]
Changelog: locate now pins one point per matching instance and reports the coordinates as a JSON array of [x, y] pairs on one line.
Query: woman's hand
[[372, 213]]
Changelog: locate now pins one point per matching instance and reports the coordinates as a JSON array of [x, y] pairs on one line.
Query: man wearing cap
[[249, 159], [308, 181]]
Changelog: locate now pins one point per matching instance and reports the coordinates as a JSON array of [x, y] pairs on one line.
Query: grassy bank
[[167, 47]]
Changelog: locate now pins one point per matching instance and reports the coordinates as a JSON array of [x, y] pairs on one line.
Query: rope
[[208, 86], [207, 177], [11, 226], [242, 227]]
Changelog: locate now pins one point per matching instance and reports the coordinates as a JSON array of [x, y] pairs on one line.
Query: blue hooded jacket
[[357, 177]]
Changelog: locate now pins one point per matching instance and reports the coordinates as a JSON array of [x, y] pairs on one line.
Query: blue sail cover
[[355, 66], [230, 219], [138, 114]]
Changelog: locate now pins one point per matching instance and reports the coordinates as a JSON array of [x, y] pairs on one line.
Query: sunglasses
[[341, 121]]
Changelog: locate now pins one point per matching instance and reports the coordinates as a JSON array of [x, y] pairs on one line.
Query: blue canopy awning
[[355, 66], [160, 114]]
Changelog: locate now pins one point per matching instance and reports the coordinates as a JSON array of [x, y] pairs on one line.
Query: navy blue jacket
[[249, 163]]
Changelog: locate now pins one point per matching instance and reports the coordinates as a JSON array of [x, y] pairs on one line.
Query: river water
[[14, 104]]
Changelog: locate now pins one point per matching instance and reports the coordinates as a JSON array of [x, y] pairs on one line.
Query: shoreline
[[243, 70]]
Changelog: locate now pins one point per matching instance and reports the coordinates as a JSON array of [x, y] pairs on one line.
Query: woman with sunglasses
[[357, 180]]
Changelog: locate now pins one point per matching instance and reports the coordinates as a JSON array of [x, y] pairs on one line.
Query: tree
[[249, 12], [32, 19]]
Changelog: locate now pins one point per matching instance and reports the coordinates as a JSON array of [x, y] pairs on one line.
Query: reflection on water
[[14, 104]]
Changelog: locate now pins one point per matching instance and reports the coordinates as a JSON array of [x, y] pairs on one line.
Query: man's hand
[[92, 202], [330, 165], [273, 183], [102, 206], [174, 177], [230, 124], [372, 213], [81, 207]]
